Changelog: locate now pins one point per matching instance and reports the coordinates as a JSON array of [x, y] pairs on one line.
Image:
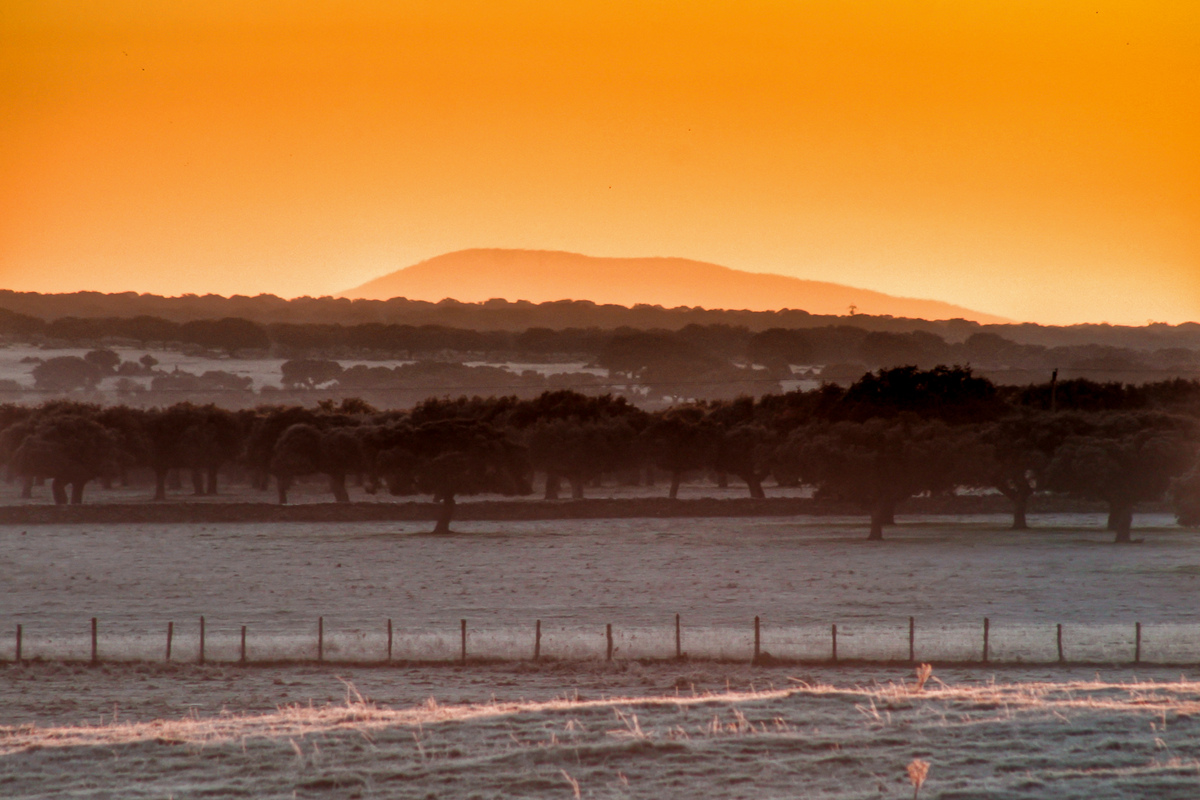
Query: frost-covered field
[[798, 575], [134, 727], [664, 731]]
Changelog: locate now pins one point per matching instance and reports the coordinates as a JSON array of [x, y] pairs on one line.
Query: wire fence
[[203, 642]]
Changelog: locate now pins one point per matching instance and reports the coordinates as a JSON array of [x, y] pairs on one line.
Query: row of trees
[[694, 347], [890, 436]]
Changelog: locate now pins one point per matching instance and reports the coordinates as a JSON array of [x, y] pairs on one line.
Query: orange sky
[[1038, 160]]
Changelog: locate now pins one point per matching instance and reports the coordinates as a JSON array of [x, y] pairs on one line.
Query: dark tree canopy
[[230, 334], [309, 373], [952, 394], [1185, 497], [1016, 451], [879, 463], [1123, 459], [305, 449], [453, 457], [70, 449], [682, 440], [66, 373]]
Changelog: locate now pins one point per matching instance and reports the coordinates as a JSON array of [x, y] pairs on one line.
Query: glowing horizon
[[1034, 161]]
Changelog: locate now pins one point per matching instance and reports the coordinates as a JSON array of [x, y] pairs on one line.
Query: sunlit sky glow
[[1036, 160]]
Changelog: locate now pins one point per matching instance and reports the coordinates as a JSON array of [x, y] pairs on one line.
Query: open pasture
[[799, 576], [574, 725]]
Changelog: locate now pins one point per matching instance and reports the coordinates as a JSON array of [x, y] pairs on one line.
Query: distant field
[[798, 574]]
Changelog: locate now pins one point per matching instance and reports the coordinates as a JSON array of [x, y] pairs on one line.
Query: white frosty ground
[[799, 575], [1065, 738], [663, 730]]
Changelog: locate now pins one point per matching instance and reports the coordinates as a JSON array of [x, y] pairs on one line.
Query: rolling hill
[[477, 275]]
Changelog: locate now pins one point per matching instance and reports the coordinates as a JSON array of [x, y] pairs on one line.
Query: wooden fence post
[[320, 638], [757, 639], [95, 653], [463, 626], [986, 624], [243, 653], [201, 658], [678, 639], [18, 658], [389, 655], [537, 640], [1137, 647], [170, 636], [912, 640], [834, 633], [608, 636], [1060, 649]]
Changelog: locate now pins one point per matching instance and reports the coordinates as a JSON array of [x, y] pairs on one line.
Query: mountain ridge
[[480, 274]]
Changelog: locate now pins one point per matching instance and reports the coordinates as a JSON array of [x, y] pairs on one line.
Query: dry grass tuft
[[917, 772], [923, 672]]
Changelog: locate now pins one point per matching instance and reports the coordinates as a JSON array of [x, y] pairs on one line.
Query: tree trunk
[[77, 492], [676, 479], [445, 514], [59, 490], [211, 488], [1122, 521], [878, 515], [576, 488], [197, 483], [282, 483], [1020, 507], [160, 484], [27, 488], [553, 484], [337, 485], [755, 484]]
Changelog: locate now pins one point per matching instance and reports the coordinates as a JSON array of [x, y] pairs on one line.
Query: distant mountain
[[473, 276]]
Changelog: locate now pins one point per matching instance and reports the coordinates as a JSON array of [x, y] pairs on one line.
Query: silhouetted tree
[[71, 450], [307, 373], [682, 440], [106, 361], [1016, 452], [230, 334], [581, 451], [212, 438], [305, 449], [66, 373], [1124, 459], [747, 450], [1185, 498], [451, 457], [952, 394], [879, 463]]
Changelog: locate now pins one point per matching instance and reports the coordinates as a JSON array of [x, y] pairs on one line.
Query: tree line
[[844, 349], [892, 435]]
